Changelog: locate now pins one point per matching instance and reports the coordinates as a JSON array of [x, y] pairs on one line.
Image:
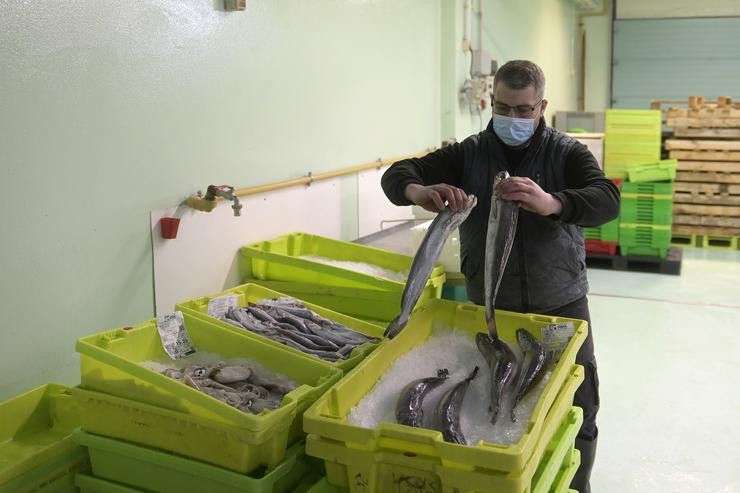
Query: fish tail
[[492, 330], [395, 327]]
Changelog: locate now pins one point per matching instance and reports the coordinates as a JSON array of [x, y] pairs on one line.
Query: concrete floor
[[668, 350]]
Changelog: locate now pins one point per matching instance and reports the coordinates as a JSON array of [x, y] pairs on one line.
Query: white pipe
[[467, 24]]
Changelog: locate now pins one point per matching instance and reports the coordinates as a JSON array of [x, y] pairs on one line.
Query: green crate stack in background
[[646, 211], [631, 137]]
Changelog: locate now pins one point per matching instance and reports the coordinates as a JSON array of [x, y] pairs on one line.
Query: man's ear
[[543, 106]]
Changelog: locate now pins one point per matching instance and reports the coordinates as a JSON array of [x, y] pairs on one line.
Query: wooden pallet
[[711, 133], [705, 112], [636, 263], [701, 122], [692, 220], [687, 229], [706, 193], [702, 145], [706, 155], [707, 210], [708, 171]]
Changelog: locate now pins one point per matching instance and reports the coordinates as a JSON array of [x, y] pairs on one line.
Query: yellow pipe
[[307, 180]]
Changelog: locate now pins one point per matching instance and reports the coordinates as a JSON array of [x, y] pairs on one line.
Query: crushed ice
[[455, 350], [363, 267]]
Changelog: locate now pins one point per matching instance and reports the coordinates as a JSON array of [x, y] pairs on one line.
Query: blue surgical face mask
[[513, 131]]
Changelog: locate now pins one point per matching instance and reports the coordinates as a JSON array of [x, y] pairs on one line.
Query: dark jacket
[[546, 268]]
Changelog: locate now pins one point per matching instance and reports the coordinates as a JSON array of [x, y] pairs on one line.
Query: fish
[[533, 363], [240, 386], [499, 239], [448, 410], [289, 322], [426, 256], [409, 405], [503, 363]]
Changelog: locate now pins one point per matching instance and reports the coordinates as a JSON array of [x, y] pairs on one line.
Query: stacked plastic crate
[[393, 457], [630, 137], [603, 239], [646, 212], [37, 453], [148, 432], [285, 264]]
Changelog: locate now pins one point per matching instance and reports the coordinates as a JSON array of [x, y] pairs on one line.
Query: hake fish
[[448, 411], [409, 405], [499, 240], [502, 361], [533, 363], [426, 256]]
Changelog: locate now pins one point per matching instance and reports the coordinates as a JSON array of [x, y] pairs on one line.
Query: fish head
[[485, 345], [525, 339], [500, 176]]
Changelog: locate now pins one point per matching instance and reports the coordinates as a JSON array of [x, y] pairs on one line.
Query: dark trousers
[[587, 395]]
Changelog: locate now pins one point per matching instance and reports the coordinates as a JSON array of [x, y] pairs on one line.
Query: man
[[559, 186]]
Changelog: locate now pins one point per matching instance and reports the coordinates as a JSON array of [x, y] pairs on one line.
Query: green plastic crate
[[605, 232], [251, 293], [636, 123], [509, 468], [361, 303], [663, 190], [559, 452], [110, 364], [90, 484], [644, 240], [279, 260], [380, 469], [664, 170], [154, 470], [566, 474], [224, 445], [646, 209], [36, 448]]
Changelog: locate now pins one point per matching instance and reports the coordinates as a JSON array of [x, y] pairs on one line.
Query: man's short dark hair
[[518, 74]]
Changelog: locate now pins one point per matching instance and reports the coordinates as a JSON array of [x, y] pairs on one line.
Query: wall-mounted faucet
[[227, 192], [208, 202]]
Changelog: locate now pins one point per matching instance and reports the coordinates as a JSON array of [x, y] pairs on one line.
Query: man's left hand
[[529, 196]]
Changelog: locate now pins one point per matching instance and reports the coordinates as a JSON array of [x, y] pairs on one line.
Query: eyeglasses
[[522, 110]]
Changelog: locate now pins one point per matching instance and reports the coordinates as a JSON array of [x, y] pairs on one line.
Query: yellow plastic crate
[[224, 445], [633, 123], [110, 364], [279, 260], [394, 466], [252, 293], [566, 474], [327, 418], [36, 448]]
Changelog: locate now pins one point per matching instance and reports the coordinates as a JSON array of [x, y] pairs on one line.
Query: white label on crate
[[219, 307], [175, 338], [555, 337]]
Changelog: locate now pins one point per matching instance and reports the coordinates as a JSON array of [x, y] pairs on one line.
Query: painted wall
[[111, 109], [544, 31], [598, 36]]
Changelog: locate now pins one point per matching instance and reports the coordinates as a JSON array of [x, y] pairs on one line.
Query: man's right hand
[[433, 197]]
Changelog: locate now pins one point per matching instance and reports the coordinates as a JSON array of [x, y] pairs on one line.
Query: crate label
[[555, 338], [175, 338], [219, 307]]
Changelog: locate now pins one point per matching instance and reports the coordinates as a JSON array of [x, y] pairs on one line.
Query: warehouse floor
[[667, 349]]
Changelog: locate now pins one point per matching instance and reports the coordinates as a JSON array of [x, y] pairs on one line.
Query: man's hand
[[529, 196], [433, 197]]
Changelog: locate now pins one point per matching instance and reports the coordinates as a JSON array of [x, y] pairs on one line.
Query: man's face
[[517, 103]]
